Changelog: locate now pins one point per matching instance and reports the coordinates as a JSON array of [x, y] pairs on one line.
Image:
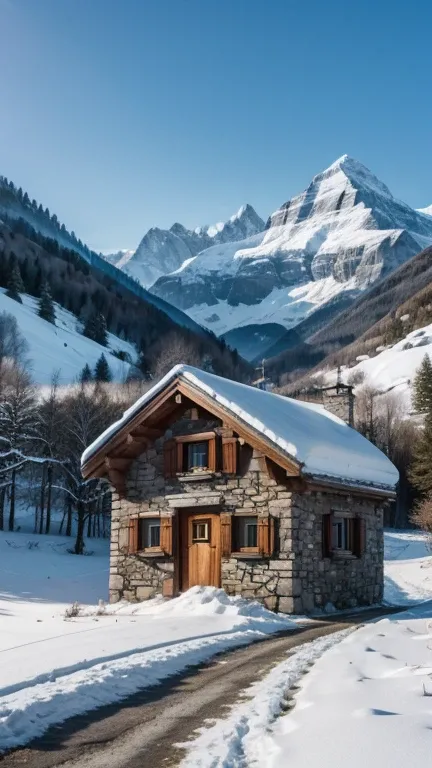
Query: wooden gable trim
[[252, 437], [125, 444], [350, 490]]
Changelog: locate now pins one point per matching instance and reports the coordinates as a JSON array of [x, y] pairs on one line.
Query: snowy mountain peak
[[427, 211], [162, 251]]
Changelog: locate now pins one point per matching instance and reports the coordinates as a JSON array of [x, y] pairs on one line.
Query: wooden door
[[200, 556]]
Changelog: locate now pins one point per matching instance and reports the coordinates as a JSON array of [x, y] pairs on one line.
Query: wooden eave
[[114, 457]]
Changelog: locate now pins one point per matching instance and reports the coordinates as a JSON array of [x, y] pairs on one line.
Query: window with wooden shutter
[[359, 536], [327, 532], [226, 534], [229, 455], [133, 535], [166, 535], [170, 458], [265, 536]]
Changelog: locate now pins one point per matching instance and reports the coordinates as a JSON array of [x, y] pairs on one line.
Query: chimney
[[338, 400]]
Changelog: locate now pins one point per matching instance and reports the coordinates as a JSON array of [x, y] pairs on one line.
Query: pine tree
[[15, 285], [86, 375], [95, 328], [422, 387], [46, 305], [421, 468], [102, 370]]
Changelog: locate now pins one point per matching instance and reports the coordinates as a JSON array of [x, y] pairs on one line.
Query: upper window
[[197, 455], [200, 531], [149, 533], [245, 533]]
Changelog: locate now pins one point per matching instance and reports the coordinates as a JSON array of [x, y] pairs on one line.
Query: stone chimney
[[338, 400]]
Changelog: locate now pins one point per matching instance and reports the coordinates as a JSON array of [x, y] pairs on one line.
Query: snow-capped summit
[[162, 251], [339, 235], [427, 211]]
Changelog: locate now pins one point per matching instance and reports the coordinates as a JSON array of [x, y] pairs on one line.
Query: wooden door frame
[[182, 513]]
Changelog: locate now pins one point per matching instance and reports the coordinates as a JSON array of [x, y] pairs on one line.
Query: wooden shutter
[[170, 458], [166, 535], [212, 454], [266, 536], [358, 536], [133, 535], [229, 455], [226, 534], [327, 525]]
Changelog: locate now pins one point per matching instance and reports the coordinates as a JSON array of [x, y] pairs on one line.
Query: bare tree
[[422, 517], [174, 351]]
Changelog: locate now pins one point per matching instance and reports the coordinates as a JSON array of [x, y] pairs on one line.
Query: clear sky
[[120, 115]]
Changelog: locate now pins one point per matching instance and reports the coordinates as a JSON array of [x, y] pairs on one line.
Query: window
[[200, 531], [245, 533], [342, 534], [197, 456], [149, 533]]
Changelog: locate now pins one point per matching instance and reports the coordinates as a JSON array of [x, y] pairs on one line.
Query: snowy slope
[[341, 234], [61, 347], [427, 211], [113, 257], [393, 368], [162, 251]]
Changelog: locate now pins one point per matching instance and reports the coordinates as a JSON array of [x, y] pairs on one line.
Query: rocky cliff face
[[162, 251], [344, 232]]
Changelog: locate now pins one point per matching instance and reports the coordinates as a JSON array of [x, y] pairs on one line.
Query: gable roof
[[320, 443]]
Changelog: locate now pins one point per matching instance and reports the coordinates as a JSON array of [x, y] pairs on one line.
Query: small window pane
[[341, 538], [200, 531], [197, 455], [245, 532], [149, 532]]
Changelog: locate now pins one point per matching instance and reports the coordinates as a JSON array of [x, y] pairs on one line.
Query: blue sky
[[120, 115]]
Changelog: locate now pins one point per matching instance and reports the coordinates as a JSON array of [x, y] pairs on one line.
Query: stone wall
[[342, 581], [338, 400]]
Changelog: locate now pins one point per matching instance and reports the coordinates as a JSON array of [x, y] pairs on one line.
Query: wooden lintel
[[146, 433]]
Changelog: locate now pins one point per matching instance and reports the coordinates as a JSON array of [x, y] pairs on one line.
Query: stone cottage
[[218, 483]]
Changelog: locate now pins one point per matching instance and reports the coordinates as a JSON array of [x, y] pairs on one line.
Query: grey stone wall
[[342, 581]]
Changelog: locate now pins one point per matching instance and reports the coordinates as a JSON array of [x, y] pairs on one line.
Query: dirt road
[[142, 731]]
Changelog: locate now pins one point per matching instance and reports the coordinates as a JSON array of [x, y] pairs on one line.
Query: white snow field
[[366, 701], [52, 667], [61, 347], [393, 368]]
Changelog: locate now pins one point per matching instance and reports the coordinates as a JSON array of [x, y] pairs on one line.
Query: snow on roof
[[321, 442]]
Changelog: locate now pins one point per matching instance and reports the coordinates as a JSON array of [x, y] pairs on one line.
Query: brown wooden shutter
[[226, 534], [170, 458], [327, 525], [359, 536], [229, 455], [212, 454], [133, 535], [166, 535], [265, 535]]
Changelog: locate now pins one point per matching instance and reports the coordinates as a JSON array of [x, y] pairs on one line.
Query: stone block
[[116, 582], [144, 593], [284, 587], [285, 605]]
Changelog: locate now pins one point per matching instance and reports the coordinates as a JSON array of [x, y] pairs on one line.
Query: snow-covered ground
[[366, 701], [367, 697], [393, 368], [52, 666], [61, 347]]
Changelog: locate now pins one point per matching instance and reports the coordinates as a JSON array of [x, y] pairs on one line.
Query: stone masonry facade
[[294, 579]]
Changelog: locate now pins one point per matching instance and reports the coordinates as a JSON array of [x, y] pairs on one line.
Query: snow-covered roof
[[322, 443]]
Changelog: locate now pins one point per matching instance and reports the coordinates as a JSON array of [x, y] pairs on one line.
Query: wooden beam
[[146, 433], [117, 480], [116, 463]]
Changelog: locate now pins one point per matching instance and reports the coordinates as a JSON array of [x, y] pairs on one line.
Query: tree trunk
[[79, 541], [42, 499], [62, 522], [89, 526], [12, 501], [69, 517], [2, 501], [48, 505]]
